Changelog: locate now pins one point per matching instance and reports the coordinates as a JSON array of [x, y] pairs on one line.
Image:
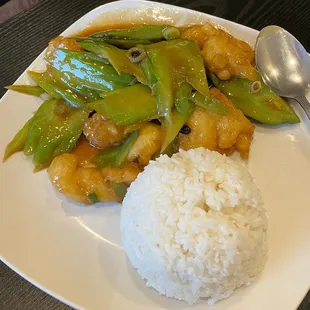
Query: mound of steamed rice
[[194, 226]]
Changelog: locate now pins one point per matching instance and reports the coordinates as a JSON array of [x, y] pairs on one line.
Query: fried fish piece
[[148, 143], [223, 54], [219, 132], [78, 183], [102, 132]]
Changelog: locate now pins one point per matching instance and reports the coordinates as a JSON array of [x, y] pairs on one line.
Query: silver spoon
[[284, 64]]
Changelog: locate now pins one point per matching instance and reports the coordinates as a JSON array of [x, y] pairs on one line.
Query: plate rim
[[213, 19]]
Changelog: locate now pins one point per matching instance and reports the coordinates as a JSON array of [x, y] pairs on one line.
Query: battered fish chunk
[[219, 132], [78, 183], [127, 174], [148, 143], [102, 132], [223, 54]]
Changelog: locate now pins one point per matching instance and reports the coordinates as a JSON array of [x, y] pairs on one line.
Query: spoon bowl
[[283, 62]]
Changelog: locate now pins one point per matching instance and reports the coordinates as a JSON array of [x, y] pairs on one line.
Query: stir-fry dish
[[122, 97]]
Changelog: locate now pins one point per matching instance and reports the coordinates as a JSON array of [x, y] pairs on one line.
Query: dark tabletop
[[24, 36]]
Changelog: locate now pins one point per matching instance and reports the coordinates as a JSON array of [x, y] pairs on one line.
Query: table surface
[[24, 36]]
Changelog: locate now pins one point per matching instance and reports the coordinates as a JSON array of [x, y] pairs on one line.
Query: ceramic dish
[[75, 253]]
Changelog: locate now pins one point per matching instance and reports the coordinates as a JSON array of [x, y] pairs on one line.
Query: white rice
[[182, 250]]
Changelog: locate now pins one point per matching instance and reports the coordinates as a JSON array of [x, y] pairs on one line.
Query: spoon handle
[[305, 104]]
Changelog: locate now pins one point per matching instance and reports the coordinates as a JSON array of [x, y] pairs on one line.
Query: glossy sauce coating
[[76, 176], [222, 133], [101, 132], [223, 54]]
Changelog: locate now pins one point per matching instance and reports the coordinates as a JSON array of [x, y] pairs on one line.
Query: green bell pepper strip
[[117, 57], [175, 62], [105, 158], [127, 44], [147, 69], [116, 157], [129, 105], [172, 127], [209, 103], [88, 57], [182, 95], [120, 189], [183, 110], [55, 129], [264, 106], [124, 149], [27, 89], [121, 43], [77, 86], [144, 32], [93, 197], [45, 81], [85, 71], [171, 149], [18, 142], [179, 116]]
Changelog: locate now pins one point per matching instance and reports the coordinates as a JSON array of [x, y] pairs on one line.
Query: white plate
[[75, 253]]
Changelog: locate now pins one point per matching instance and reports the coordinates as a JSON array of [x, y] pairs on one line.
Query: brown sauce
[[84, 152]]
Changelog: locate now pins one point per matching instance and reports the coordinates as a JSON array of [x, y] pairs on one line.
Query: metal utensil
[[284, 64]]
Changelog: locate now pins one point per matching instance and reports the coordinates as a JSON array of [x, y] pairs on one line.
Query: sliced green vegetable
[[120, 189], [77, 69], [264, 106], [45, 81], [18, 142], [124, 149], [117, 57], [117, 156], [93, 198], [121, 43], [209, 103], [88, 57], [126, 44], [27, 89], [172, 148], [175, 62], [182, 95], [171, 33], [127, 105], [147, 69], [81, 39], [54, 130], [106, 158], [172, 127], [180, 114], [86, 93], [145, 32], [70, 97]]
